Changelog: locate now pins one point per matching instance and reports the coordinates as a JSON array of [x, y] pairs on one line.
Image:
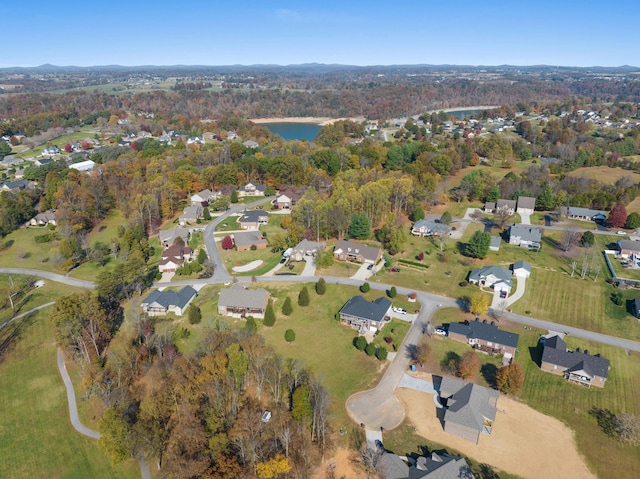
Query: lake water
[[460, 115], [294, 131]]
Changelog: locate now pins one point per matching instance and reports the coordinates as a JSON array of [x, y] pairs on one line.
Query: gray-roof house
[[240, 302], [160, 303], [470, 409], [306, 248], [525, 236], [191, 214], [489, 207], [526, 204], [15, 185], [496, 277], [629, 249], [252, 219], [509, 206], [251, 189], [435, 466], [585, 214], [202, 198], [430, 228], [495, 243], [244, 240], [43, 219], [576, 366], [363, 315], [521, 268], [356, 252], [168, 237], [486, 337]]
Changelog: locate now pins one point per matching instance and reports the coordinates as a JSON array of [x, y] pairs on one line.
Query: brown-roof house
[[356, 252]]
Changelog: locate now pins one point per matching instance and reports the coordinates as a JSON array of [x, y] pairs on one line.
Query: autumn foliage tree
[[509, 379], [468, 365], [479, 303], [227, 242], [617, 216]]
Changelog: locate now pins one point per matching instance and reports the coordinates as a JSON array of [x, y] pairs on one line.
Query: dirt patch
[[342, 465], [523, 442]]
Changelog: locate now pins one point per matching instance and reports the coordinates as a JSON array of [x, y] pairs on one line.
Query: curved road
[[58, 278]]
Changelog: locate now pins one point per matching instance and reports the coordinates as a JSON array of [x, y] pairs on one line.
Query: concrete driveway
[[309, 266], [525, 218], [502, 304], [363, 272]]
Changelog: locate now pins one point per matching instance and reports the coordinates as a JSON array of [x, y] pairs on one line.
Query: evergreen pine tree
[[269, 316], [287, 307], [321, 286], [303, 297]]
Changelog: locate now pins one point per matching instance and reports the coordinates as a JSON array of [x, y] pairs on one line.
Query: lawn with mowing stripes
[[36, 436]]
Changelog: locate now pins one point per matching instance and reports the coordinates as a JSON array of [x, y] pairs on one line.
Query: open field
[[634, 206], [495, 169], [323, 344], [604, 174], [24, 252], [36, 437]]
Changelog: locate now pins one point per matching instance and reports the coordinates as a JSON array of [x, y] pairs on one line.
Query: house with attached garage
[[306, 248], [436, 466], [470, 410], [252, 219], [577, 366], [430, 228], [174, 257], [251, 189], [525, 236], [245, 240], [526, 205], [356, 252], [495, 277], [160, 303], [168, 237], [486, 337], [191, 214], [240, 302], [507, 206], [364, 315], [203, 198], [583, 214], [629, 249], [43, 219]]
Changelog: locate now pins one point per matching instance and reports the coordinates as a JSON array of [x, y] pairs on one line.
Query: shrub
[[509, 379], [202, 256], [287, 307], [360, 343], [321, 286], [253, 247], [365, 288], [468, 365], [421, 256], [251, 325], [227, 242], [289, 335], [194, 314], [392, 292], [303, 297], [617, 298], [43, 238], [388, 339], [381, 353], [370, 349], [464, 284]]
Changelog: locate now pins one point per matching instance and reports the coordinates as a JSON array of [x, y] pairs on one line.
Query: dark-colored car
[[395, 270], [370, 267]]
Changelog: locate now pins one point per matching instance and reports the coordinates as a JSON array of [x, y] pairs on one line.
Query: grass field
[[551, 394], [323, 344], [604, 174], [634, 206], [36, 437]]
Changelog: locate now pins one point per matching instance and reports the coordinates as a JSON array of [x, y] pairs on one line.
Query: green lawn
[[323, 344], [230, 224], [36, 437], [24, 252], [394, 329], [623, 271]]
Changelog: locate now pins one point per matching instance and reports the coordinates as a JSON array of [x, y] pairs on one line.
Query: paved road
[[75, 419], [220, 274], [58, 278]]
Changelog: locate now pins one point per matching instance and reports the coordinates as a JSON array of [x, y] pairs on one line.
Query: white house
[[521, 269], [495, 277], [83, 165]]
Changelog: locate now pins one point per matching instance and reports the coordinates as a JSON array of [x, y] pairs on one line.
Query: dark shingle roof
[[526, 202], [485, 331], [522, 264], [248, 238], [171, 298], [499, 272], [252, 216], [555, 352], [526, 233], [361, 308]]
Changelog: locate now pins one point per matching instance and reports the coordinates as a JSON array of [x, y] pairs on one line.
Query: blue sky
[[493, 32]]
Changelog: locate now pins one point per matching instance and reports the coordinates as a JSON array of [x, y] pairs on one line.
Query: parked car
[[440, 332], [395, 270], [503, 294], [621, 233], [370, 267], [283, 260], [399, 310]]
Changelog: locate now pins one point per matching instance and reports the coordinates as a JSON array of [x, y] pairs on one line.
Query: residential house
[[489, 207], [430, 228], [15, 185], [435, 466], [251, 189], [283, 202], [160, 303], [525, 236], [191, 214], [629, 249], [526, 205], [363, 315], [507, 206], [470, 410], [43, 219], [232, 135], [495, 277], [50, 151], [168, 237], [246, 239], [306, 248], [240, 302], [356, 252], [583, 214], [252, 219], [521, 269], [495, 243], [174, 257], [43, 161], [203, 198], [11, 160], [289, 196], [575, 366], [83, 165], [250, 144], [485, 337]]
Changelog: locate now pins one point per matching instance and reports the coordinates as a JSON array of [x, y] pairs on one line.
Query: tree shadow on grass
[[11, 333], [489, 372]]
